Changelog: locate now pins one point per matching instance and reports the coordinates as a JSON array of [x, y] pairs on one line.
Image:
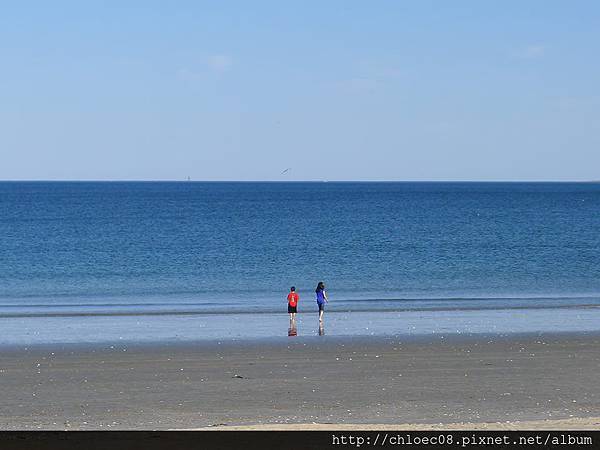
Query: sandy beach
[[513, 381], [587, 423]]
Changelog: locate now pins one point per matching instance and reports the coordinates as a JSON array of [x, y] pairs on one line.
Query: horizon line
[[92, 180]]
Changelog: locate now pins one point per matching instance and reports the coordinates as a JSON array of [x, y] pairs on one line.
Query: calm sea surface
[[91, 261]]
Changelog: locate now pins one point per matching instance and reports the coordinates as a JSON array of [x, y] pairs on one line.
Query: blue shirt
[[320, 296]]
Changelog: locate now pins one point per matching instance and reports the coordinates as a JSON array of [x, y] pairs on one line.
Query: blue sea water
[[92, 261]]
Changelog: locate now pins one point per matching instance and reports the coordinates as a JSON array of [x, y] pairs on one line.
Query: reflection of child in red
[[292, 299]]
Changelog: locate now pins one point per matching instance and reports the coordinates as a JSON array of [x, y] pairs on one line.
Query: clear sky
[[336, 90]]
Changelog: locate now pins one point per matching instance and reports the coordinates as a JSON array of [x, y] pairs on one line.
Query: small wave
[[479, 298], [370, 300], [339, 309], [108, 305]]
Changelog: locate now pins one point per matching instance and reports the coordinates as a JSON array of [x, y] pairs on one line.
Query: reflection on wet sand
[[321, 329], [293, 329]]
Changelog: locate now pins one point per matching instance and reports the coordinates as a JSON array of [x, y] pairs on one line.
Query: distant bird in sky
[[286, 170]]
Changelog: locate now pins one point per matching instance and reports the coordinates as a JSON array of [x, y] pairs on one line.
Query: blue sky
[[336, 90]]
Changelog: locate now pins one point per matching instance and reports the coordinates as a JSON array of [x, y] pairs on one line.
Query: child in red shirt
[[292, 300]]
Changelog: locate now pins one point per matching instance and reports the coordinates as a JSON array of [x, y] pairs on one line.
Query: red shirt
[[293, 299]]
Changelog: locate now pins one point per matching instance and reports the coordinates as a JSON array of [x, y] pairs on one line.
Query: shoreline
[[423, 381], [279, 342], [283, 340]]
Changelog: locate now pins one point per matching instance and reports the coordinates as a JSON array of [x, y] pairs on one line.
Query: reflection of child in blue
[[321, 299]]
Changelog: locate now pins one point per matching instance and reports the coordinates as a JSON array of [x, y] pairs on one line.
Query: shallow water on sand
[[189, 328]]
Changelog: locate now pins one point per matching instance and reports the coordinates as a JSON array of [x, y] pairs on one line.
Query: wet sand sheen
[[301, 380]]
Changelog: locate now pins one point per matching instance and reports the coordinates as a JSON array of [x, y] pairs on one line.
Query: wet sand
[[304, 380]]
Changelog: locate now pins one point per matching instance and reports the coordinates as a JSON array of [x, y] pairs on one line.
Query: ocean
[[183, 261]]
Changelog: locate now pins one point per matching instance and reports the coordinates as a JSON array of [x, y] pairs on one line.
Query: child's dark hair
[[293, 288], [320, 286]]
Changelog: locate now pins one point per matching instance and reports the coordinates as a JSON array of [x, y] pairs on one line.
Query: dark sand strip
[[302, 380]]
